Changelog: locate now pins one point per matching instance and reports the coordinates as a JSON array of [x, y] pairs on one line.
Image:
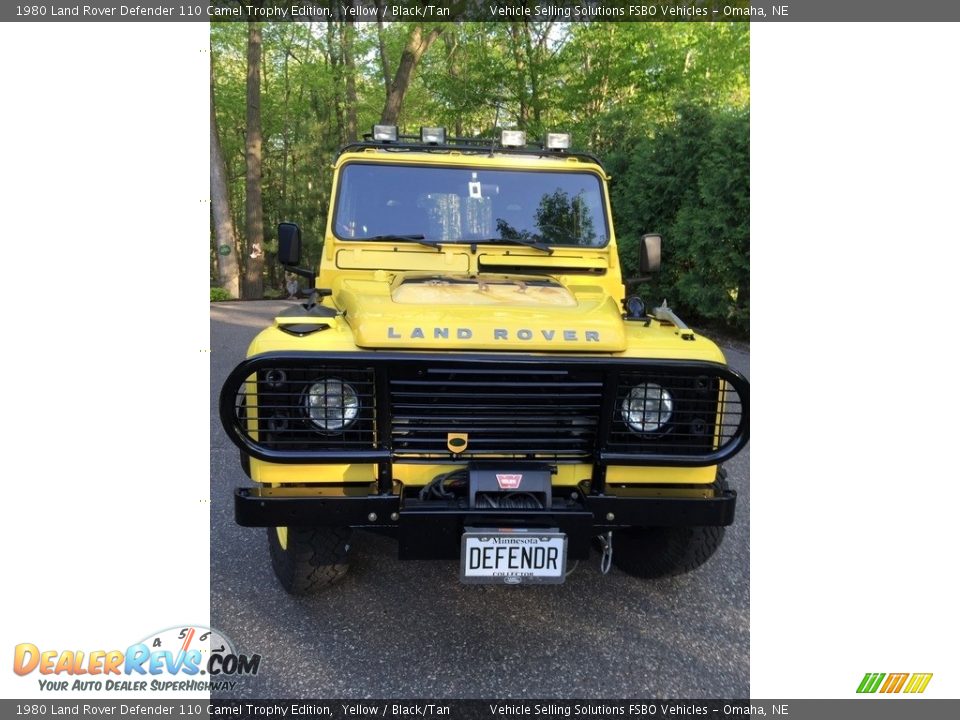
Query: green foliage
[[691, 182], [665, 105], [218, 294]]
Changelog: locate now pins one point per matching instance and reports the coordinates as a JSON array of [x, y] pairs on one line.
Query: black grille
[[705, 416], [275, 407], [507, 411], [410, 405]]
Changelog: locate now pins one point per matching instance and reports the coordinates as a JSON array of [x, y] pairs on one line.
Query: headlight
[[332, 405], [647, 408]]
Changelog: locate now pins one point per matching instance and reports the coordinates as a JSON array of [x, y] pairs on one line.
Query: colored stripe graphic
[[918, 682], [894, 682], [870, 682]]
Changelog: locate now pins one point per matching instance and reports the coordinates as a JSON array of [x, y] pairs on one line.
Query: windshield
[[443, 204]]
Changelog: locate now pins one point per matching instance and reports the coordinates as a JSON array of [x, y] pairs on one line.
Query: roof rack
[[488, 146]]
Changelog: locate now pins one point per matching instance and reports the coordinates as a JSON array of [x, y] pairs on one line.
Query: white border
[[106, 335], [854, 264]]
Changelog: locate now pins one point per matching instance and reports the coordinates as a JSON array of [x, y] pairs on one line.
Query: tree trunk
[[417, 46], [286, 132], [350, 79], [253, 280], [520, 77], [450, 41], [228, 271], [534, 64], [384, 61], [336, 67]]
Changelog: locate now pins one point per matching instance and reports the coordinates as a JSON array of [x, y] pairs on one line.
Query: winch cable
[[436, 488], [510, 501]]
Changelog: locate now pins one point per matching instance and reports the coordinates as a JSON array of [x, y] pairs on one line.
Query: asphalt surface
[[411, 630]]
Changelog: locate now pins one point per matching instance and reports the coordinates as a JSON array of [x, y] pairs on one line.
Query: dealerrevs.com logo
[[910, 683], [182, 659]]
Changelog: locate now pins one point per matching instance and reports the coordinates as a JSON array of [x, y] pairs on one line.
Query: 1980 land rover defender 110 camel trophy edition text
[[469, 377]]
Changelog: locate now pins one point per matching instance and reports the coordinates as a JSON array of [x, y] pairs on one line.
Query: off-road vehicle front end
[[471, 378]]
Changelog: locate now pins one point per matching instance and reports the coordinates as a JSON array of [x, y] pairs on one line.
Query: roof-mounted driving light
[[513, 138], [433, 135], [558, 141], [385, 133]]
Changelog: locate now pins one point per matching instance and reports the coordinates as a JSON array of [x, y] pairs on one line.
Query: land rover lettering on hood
[[470, 376]]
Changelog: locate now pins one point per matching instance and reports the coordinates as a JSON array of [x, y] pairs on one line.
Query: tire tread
[[314, 559], [664, 552]]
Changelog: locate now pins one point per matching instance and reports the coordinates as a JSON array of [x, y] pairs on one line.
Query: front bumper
[[432, 528]]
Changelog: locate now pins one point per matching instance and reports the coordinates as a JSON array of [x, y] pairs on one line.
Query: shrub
[[218, 294], [691, 182]]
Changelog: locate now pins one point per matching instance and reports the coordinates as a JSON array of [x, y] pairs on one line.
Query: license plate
[[512, 556]]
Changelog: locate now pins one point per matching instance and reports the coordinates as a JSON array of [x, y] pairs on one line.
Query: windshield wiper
[[535, 244], [420, 239]]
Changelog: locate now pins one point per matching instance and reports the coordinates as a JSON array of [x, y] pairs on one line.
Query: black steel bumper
[[432, 528]]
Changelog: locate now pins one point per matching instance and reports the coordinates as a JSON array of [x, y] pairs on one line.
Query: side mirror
[[288, 241], [650, 253]]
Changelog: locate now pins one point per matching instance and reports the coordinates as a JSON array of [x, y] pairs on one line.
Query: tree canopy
[[665, 106]]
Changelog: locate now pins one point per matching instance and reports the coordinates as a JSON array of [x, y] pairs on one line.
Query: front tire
[[664, 551], [308, 559]]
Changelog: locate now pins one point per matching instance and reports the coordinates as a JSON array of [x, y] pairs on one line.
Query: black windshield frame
[[600, 213]]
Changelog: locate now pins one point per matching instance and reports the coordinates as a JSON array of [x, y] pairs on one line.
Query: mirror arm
[[303, 272]]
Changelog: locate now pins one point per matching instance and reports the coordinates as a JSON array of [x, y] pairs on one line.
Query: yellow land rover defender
[[469, 377]]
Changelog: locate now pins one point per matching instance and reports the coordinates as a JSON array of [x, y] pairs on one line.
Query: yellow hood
[[483, 312]]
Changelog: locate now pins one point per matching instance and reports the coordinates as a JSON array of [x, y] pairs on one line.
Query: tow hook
[[606, 545]]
